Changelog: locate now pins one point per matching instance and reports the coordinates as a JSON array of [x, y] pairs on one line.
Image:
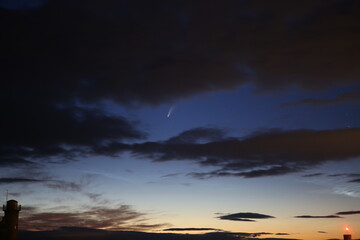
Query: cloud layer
[[352, 97], [122, 217], [65, 133], [310, 216], [348, 212], [266, 153], [131, 52], [270, 152]]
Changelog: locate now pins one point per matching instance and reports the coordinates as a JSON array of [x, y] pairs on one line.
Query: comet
[[170, 111]]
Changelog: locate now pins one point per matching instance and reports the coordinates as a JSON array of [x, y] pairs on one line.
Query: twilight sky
[[232, 118]]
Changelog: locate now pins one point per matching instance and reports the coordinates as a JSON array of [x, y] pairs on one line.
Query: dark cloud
[[133, 49], [19, 180], [244, 216], [58, 135], [272, 171], [348, 175], [309, 216], [62, 59], [122, 217], [355, 180], [282, 234], [271, 152], [238, 219], [267, 153], [52, 183], [13, 161], [191, 229], [198, 135], [258, 234], [313, 175], [354, 176], [321, 232], [348, 213], [353, 97]]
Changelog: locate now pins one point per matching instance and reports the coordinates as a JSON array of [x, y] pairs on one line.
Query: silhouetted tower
[[9, 224], [347, 236]]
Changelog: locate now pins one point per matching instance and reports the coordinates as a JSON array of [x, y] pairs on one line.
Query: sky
[[172, 119]]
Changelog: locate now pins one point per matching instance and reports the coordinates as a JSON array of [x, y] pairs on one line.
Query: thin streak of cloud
[[192, 229], [310, 216], [20, 180], [353, 97], [354, 180], [313, 175], [348, 213]]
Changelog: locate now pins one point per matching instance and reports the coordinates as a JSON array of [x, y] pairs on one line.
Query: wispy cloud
[[354, 177], [357, 180], [171, 175], [71, 186], [310, 216], [192, 229], [313, 175], [48, 181], [348, 213], [14, 161], [122, 217], [352, 97]]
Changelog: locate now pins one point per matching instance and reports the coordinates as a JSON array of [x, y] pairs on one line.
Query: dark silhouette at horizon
[[10, 221]]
